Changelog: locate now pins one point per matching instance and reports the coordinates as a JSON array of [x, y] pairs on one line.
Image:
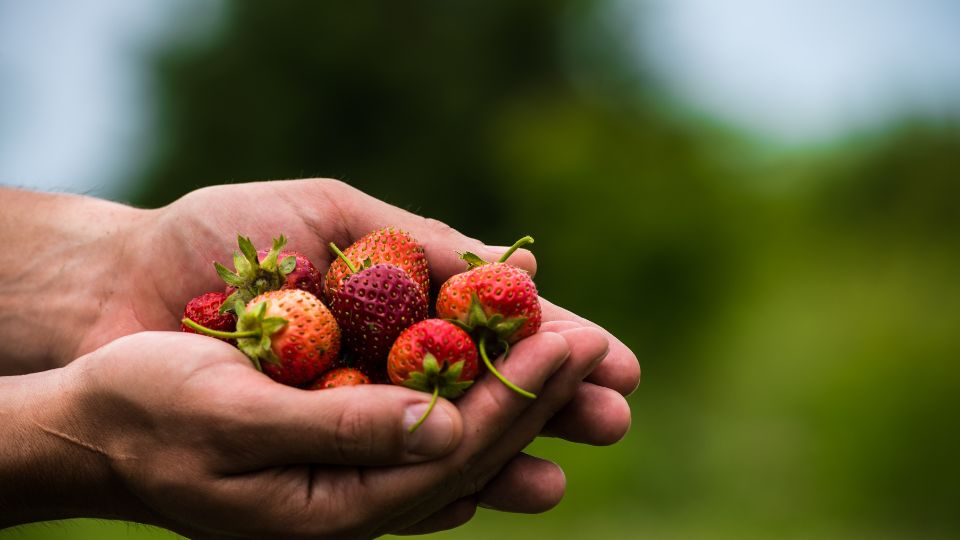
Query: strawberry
[[433, 356], [387, 245], [304, 275], [258, 272], [372, 307], [205, 310], [343, 376], [288, 334], [496, 303]]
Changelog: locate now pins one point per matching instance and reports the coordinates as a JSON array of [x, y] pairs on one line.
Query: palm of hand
[[169, 253]]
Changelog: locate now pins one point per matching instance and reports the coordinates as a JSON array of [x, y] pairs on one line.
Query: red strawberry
[[372, 307], [258, 272], [387, 245], [344, 376], [433, 356], [496, 302], [289, 335], [205, 310], [304, 275]]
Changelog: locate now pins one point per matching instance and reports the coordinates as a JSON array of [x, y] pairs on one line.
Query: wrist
[[48, 470], [67, 252]]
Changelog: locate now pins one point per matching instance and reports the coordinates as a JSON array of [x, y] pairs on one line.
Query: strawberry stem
[[426, 413], [497, 374], [516, 245], [219, 333], [342, 257]]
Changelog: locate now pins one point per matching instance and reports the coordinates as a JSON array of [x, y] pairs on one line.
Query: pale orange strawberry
[[337, 377], [288, 334]]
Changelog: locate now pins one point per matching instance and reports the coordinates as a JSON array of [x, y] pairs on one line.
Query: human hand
[[180, 431], [169, 253], [150, 262]]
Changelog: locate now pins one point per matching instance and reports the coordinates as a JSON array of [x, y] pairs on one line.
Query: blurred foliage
[[796, 316]]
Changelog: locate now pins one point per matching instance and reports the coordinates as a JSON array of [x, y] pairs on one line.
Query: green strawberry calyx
[[252, 277], [501, 328], [440, 381], [473, 260], [495, 328], [253, 334]]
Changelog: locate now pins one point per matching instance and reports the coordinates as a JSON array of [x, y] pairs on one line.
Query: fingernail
[[434, 435]]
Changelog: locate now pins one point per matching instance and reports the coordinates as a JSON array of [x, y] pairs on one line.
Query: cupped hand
[[167, 258], [197, 441]]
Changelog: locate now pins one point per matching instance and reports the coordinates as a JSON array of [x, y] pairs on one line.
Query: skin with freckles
[[166, 256]]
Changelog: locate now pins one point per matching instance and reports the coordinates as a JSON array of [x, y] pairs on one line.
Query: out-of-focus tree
[[796, 318]]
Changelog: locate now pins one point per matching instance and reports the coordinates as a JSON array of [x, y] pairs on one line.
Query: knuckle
[[333, 184], [494, 399], [354, 435], [469, 478]]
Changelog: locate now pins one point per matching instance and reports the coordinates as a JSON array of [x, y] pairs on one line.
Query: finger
[[449, 517], [488, 409], [619, 371], [559, 326], [501, 438], [492, 406], [359, 425], [443, 244], [527, 485], [498, 424], [588, 347], [597, 415]]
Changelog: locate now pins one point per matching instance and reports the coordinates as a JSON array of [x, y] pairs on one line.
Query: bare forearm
[[45, 472], [59, 252]]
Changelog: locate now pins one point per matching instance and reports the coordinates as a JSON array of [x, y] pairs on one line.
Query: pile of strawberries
[[367, 321]]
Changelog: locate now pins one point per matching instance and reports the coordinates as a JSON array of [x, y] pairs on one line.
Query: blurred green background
[[793, 300]]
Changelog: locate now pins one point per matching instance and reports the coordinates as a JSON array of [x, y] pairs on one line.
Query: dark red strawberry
[[205, 310], [288, 334], [434, 356], [304, 275], [336, 377], [372, 307], [387, 245], [258, 272], [497, 303]]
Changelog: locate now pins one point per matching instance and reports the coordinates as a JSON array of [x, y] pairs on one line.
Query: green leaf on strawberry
[[496, 327], [444, 379], [257, 345], [472, 259], [251, 276]]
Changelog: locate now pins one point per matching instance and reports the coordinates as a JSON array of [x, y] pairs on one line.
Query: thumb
[[354, 425]]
